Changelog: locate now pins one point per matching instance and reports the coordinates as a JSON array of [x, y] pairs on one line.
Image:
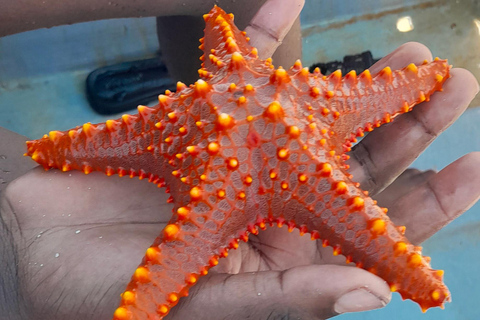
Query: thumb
[[306, 292], [272, 23]]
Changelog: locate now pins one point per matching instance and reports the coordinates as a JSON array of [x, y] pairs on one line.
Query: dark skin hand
[[77, 239]]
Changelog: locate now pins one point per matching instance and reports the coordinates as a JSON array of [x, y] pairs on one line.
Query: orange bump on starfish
[[248, 145]]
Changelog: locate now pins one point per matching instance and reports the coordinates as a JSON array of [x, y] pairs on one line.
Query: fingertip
[[456, 188], [410, 52], [445, 107], [466, 167], [271, 24], [358, 300], [365, 292], [433, 205], [473, 157], [329, 290], [415, 52], [465, 82]]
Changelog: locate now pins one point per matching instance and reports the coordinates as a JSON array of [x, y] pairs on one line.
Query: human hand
[[294, 275]]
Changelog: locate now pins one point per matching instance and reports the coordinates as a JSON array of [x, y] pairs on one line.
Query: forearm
[[23, 15], [17, 16]]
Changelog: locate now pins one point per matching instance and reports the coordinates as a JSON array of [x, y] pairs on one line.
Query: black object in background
[[122, 87], [358, 62]]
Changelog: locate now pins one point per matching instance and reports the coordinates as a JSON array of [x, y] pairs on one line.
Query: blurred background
[[42, 87]]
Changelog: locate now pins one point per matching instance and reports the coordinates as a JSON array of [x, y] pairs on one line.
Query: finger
[[363, 168], [443, 198], [271, 24], [406, 182], [410, 52], [306, 292], [379, 158], [291, 48]]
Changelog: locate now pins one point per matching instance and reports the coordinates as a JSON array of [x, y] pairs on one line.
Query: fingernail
[[358, 300]]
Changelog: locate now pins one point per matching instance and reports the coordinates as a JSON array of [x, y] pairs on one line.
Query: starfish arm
[[209, 223], [327, 204], [151, 144], [222, 39], [125, 146], [304, 184], [353, 105]]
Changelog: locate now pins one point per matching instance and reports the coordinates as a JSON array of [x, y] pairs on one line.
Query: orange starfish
[[250, 145]]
